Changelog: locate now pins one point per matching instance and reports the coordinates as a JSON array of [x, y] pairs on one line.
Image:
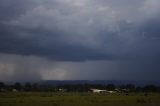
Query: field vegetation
[[77, 99], [78, 95]]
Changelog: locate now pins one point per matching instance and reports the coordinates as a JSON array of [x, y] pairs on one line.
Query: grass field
[[77, 99]]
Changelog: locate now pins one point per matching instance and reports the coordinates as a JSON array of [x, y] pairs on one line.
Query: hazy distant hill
[[103, 82]]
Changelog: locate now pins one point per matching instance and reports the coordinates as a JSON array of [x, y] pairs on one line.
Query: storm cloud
[[70, 39]]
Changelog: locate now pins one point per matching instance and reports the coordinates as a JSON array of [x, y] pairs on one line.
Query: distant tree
[[18, 86], [122, 87], [35, 87], [130, 87], [2, 85], [158, 88], [150, 88], [139, 89], [82, 87], [27, 86], [110, 87]]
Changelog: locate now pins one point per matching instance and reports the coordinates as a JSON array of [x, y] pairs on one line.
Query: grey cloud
[[44, 28], [88, 29], [151, 28], [27, 68], [100, 70], [80, 31], [12, 9], [18, 68]]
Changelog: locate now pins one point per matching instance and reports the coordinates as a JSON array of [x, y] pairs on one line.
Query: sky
[[79, 40]]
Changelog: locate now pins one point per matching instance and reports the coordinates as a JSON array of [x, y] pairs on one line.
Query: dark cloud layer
[[80, 31]]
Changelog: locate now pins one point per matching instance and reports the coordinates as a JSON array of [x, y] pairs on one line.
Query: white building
[[97, 90]]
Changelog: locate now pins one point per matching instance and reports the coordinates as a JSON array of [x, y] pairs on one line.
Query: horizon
[[92, 82]]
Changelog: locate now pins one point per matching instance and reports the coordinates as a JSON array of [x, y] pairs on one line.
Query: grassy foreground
[[77, 99]]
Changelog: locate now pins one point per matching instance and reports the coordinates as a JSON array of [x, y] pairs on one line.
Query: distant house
[[62, 90], [117, 90], [101, 91], [125, 90], [14, 90], [110, 91], [97, 90]]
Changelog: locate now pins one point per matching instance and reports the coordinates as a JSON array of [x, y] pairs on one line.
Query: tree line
[[35, 87]]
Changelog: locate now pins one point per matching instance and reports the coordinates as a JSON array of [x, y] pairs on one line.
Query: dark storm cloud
[[45, 38], [51, 29], [42, 44], [124, 34], [10, 9], [151, 29]]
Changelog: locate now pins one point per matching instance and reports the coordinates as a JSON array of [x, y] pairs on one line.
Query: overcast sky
[[79, 40]]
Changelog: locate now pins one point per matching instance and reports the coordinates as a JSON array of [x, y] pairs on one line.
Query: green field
[[77, 99]]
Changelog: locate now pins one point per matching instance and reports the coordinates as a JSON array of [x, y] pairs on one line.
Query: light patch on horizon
[[54, 74]]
